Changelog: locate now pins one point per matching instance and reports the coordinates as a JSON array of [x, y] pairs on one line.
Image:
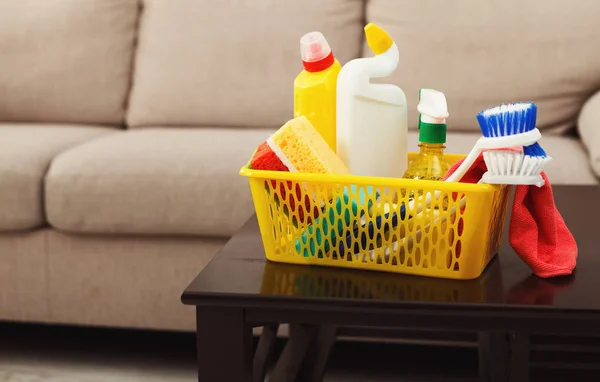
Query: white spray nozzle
[[433, 106]]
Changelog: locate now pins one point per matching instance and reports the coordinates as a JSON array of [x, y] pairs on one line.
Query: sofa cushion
[[66, 60], [483, 53], [589, 129], [26, 151], [224, 63], [569, 165], [154, 181]]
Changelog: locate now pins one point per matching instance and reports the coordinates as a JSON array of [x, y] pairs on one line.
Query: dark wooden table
[[240, 290]]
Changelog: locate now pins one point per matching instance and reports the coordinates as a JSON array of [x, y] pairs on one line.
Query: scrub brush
[[516, 167], [503, 126], [512, 166]]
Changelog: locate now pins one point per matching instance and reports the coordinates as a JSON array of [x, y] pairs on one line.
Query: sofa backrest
[[483, 53], [66, 60], [230, 63]]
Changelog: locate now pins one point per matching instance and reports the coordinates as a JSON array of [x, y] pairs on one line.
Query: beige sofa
[[123, 125]]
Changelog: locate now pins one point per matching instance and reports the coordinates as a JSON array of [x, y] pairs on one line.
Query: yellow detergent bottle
[[315, 86]]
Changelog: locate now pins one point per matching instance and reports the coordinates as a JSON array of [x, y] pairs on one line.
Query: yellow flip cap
[[378, 39]]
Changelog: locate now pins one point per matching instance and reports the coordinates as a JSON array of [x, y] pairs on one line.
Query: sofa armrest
[[589, 130]]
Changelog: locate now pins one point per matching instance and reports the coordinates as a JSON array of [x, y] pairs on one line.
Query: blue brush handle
[[371, 229]]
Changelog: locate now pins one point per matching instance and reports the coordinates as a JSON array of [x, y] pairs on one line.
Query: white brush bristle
[[510, 108], [514, 167]]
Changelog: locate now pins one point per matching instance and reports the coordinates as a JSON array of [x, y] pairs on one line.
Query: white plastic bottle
[[372, 125]]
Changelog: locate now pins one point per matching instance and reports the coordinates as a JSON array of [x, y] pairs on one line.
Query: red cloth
[[537, 231]]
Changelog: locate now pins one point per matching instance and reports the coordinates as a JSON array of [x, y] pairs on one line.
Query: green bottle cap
[[432, 103], [432, 132]]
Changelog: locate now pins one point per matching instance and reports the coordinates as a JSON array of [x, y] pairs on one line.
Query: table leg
[[224, 345], [494, 357], [294, 353], [519, 358], [314, 365], [264, 350]]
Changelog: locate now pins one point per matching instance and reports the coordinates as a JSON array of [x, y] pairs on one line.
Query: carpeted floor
[[31, 353]]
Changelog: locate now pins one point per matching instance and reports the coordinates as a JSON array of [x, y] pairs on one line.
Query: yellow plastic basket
[[358, 222]]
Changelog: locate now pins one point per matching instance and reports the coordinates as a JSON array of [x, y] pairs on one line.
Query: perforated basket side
[[364, 223]]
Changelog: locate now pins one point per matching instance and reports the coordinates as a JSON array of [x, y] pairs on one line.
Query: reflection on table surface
[[328, 282]]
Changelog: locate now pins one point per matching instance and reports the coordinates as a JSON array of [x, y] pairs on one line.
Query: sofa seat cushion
[[569, 165], [154, 181], [26, 151]]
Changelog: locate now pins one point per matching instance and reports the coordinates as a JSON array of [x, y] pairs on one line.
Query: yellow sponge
[[301, 148]]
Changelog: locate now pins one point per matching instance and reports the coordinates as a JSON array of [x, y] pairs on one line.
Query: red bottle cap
[[315, 52]]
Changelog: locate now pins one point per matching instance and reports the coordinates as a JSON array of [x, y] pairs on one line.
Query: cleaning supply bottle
[[372, 124], [430, 163], [315, 86]]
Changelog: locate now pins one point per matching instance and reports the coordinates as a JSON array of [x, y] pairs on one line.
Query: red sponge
[[266, 159]]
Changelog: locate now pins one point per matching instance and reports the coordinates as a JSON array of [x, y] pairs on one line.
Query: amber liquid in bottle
[[430, 164]]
